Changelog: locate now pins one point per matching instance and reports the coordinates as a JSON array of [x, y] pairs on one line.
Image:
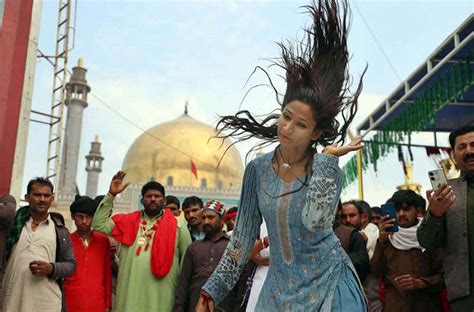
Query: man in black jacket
[[40, 255], [201, 259], [353, 244]]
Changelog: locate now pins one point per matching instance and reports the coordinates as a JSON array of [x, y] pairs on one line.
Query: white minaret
[[76, 101], [93, 168]]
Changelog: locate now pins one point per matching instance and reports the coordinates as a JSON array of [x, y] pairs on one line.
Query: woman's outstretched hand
[[339, 151]]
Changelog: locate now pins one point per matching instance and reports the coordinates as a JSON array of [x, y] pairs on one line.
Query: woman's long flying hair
[[317, 73]]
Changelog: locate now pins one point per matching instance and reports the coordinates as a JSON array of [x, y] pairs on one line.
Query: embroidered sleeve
[[324, 189], [243, 237]]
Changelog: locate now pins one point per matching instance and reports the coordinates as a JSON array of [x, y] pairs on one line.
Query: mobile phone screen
[[388, 209]]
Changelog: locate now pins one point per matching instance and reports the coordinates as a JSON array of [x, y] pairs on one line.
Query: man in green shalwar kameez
[[153, 242]]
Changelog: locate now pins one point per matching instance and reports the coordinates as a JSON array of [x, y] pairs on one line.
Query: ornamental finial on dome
[[186, 108]]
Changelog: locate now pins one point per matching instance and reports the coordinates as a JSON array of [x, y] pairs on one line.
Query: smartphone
[[437, 178], [388, 209]]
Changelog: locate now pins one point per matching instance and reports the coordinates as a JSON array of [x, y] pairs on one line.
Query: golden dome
[[165, 153]]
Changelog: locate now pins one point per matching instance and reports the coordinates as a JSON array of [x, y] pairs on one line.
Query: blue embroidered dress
[[309, 270]]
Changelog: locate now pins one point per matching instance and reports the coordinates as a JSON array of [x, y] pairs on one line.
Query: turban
[[84, 204]]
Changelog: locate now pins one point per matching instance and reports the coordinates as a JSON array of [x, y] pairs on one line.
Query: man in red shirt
[[89, 288]]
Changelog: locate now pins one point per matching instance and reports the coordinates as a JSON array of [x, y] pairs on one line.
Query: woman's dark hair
[[316, 74]]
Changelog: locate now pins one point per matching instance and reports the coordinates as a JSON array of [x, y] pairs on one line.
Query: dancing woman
[[295, 188]]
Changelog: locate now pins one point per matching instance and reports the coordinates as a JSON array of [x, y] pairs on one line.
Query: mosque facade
[[182, 154]]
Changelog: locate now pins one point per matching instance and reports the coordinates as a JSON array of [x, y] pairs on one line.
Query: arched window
[[220, 185], [203, 183], [169, 181]]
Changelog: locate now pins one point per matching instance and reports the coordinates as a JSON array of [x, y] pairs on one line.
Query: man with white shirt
[[357, 213], [40, 255]]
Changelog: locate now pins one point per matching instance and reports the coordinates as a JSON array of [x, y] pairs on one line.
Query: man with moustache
[[357, 213], [201, 260], [40, 255], [153, 244], [449, 222], [352, 242], [413, 276], [192, 207]]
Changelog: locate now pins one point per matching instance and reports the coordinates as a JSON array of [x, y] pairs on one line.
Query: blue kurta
[[309, 270]]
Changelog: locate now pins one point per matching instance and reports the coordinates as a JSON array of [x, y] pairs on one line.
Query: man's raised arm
[[102, 221]]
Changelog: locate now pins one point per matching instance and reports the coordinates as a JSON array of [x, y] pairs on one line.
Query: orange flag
[[194, 169]]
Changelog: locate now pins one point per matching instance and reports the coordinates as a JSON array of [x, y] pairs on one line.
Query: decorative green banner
[[417, 116]]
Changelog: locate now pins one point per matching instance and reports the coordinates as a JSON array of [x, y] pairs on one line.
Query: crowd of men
[[158, 258]]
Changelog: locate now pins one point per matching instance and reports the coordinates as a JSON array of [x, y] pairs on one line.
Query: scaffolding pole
[[53, 162]]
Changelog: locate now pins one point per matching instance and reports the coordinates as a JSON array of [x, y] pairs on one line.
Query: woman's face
[[296, 125]]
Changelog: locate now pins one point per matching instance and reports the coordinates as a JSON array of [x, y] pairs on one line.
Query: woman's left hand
[[339, 151]]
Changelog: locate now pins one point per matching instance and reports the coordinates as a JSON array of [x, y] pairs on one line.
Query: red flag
[[194, 169]]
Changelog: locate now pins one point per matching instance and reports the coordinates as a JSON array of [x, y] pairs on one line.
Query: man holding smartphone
[[412, 276], [450, 222]]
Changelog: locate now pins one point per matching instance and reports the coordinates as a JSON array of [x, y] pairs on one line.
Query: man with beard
[[153, 243], [40, 255], [90, 287], [449, 223], [201, 260], [351, 241], [357, 213], [192, 207], [413, 277]]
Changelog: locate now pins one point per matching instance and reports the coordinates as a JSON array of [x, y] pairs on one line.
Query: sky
[[145, 59]]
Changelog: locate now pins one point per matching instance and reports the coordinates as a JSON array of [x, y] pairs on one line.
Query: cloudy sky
[[146, 58]]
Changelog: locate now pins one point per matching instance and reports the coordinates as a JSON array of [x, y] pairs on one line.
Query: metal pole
[[360, 172], [360, 175]]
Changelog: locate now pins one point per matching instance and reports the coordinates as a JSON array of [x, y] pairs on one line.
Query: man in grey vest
[[450, 223]]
